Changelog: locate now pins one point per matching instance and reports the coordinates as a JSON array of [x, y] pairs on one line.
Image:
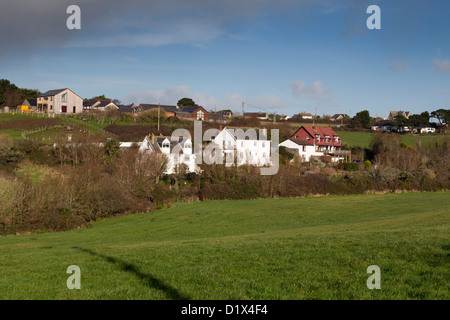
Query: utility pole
[[242, 109], [159, 106]]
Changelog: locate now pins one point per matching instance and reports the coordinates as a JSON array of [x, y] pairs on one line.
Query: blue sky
[[278, 56]]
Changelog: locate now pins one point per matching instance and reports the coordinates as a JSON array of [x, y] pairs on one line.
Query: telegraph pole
[[242, 109], [159, 105]]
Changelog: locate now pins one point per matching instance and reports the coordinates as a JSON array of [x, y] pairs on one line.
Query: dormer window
[[318, 137], [327, 138]]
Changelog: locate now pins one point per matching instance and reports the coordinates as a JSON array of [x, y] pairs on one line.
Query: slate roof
[[52, 92]]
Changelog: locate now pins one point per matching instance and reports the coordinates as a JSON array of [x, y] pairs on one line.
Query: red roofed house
[[324, 139]]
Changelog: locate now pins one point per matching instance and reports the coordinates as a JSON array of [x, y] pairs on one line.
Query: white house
[[302, 148], [100, 105], [60, 101], [241, 147], [178, 152], [424, 129]]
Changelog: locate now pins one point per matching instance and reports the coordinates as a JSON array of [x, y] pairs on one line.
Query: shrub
[[367, 164], [351, 166]]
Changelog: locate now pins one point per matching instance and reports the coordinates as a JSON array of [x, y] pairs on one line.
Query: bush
[[351, 166]]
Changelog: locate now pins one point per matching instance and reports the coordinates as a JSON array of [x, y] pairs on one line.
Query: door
[[74, 109], [64, 109]]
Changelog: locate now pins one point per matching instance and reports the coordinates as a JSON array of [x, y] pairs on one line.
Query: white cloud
[[316, 91], [441, 65]]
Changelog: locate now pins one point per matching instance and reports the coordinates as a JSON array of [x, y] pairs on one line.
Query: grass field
[[362, 139], [307, 248]]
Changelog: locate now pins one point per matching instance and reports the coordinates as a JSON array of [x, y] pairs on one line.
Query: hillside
[[307, 248]]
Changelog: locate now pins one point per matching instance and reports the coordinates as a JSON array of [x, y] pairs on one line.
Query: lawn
[[362, 139], [306, 248]]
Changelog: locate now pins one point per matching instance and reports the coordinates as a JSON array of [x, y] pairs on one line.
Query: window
[[200, 115], [318, 138], [304, 148], [64, 97], [327, 138], [336, 139]]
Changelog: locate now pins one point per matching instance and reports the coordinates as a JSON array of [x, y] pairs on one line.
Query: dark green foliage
[[186, 102], [351, 166]]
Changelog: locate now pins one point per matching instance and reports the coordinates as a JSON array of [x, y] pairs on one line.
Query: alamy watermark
[[74, 281], [74, 20], [374, 281]]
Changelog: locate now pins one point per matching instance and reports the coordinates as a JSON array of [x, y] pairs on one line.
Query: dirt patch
[[28, 124], [136, 133]]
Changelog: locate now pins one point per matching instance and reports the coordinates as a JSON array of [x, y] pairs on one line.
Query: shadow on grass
[[148, 279]]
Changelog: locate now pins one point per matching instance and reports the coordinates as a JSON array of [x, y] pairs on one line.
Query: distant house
[[424, 129], [305, 115], [128, 108], [178, 152], [59, 101], [324, 140], [392, 114], [100, 105], [258, 115], [28, 105], [339, 116], [194, 112]]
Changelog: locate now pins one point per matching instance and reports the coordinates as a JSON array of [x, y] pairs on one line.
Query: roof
[[89, 103], [255, 114], [126, 108], [339, 115], [301, 142], [32, 101], [52, 92]]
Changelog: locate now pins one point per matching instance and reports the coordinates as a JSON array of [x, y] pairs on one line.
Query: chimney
[[153, 138]]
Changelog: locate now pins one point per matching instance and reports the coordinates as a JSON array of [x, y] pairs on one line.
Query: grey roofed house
[[129, 108], [259, 115], [338, 116], [392, 114]]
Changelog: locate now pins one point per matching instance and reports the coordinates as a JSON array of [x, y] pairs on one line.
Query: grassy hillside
[[308, 248], [362, 139]]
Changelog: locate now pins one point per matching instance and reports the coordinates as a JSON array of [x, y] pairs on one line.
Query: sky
[[283, 57]]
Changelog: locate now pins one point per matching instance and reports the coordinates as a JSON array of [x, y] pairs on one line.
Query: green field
[[362, 139], [306, 248]]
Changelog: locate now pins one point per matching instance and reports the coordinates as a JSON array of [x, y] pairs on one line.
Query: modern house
[[178, 152], [324, 140], [60, 101], [239, 147], [100, 105]]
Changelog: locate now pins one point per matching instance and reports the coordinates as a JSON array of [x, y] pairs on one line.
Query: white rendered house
[[239, 147], [178, 152], [302, 148]]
